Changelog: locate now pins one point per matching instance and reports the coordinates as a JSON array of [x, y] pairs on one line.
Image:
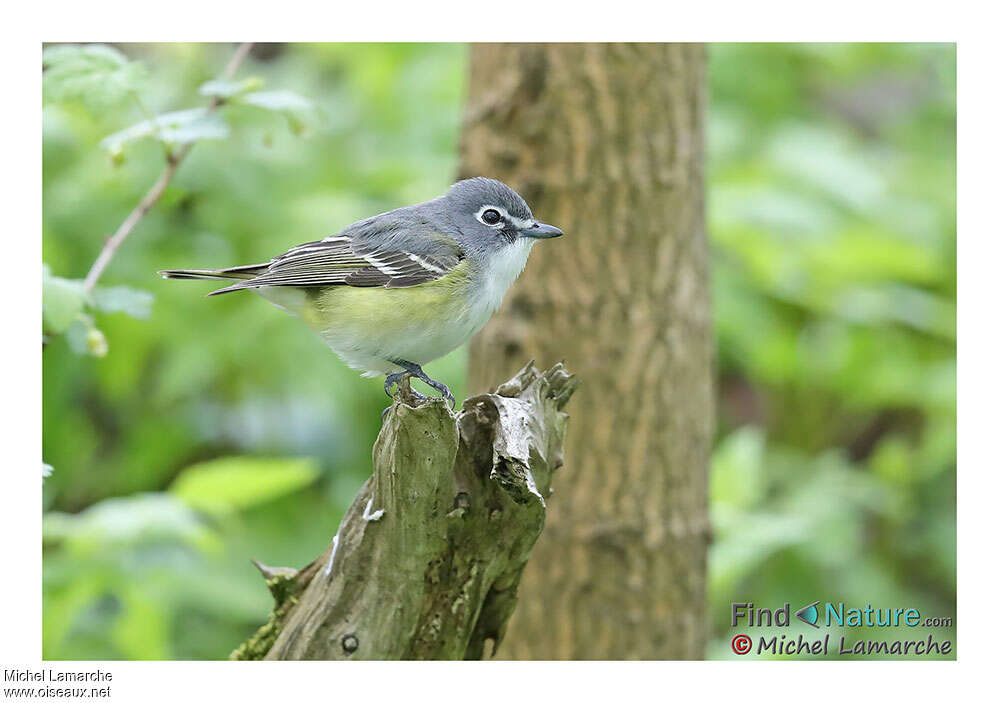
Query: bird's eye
[[491, 217]]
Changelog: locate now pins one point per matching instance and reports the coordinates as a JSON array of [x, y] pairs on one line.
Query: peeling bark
[[427, 560]]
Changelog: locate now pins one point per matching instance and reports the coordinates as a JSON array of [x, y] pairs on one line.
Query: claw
[[392, 379], [417, 395], [415, 371], [442, 389], [405, 390]]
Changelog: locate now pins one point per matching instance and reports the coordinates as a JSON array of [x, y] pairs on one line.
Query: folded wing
[[342, 260]]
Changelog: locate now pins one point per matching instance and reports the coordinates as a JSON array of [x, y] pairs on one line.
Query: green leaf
[[141, 629], [292, 105], [277, 100], [737, 469], [132, 302], [236, 483], [230, 89], [180, 127], [62, 301], [95, 74], [142, 518], [76, 335]]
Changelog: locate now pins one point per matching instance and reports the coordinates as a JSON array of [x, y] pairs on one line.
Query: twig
[[153, 195]]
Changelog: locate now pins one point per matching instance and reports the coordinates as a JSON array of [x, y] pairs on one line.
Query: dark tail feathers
[[237, 272]]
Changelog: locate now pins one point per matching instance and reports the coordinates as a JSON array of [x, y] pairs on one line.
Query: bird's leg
[[415, 371]]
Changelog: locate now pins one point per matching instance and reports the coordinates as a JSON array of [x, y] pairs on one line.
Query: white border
[[188, 21]]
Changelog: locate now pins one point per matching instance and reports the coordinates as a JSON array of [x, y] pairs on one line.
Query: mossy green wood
[[427, 560]]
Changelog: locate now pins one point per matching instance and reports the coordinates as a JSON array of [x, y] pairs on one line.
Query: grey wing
[[348, 261]]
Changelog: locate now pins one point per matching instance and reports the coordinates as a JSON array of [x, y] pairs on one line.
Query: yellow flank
[[367, 310]]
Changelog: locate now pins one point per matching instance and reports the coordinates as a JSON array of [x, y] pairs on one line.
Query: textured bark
[[427, 560], [606, 142]]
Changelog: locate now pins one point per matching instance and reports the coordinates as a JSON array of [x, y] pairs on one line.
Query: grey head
[[483, 216], [487, 216]]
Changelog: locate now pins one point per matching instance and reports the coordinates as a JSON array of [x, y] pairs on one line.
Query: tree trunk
[[426, 562], [606, 142]]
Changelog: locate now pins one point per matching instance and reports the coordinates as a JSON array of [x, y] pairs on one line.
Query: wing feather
[[341, 260]]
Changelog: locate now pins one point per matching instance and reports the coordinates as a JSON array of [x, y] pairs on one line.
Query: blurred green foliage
[[832, 196], [182, 444], [147, 546]]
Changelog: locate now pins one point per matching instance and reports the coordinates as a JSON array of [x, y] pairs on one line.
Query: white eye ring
[[503, 216]]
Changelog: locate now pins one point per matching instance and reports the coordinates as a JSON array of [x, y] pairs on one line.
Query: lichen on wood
[[427, 560]]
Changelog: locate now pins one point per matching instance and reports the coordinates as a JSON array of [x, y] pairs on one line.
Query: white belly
[[418, 344]]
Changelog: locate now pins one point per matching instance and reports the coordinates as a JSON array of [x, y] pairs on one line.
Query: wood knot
[[460, 505], [349, 644]]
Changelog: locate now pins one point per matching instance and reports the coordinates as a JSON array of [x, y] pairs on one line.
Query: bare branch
[[153, 195]]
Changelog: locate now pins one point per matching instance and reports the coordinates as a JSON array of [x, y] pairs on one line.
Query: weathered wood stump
[[427, 560]]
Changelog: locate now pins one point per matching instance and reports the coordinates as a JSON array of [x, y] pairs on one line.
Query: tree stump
[[427, 560]]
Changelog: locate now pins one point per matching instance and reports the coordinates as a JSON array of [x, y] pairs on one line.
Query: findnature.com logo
[[839, 615]]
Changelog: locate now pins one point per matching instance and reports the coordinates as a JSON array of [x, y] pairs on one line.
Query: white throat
[[502, 270]]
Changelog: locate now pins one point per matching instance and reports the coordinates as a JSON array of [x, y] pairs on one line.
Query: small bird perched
[[398, 290]]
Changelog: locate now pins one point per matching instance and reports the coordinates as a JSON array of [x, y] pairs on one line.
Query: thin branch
[[153, 195], [241, 53]]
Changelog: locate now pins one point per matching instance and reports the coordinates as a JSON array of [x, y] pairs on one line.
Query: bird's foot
[[406, 392], [392, 379], [440, 388], [415, 371]]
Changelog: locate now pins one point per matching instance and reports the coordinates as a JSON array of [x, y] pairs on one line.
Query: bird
[[390, 293]]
